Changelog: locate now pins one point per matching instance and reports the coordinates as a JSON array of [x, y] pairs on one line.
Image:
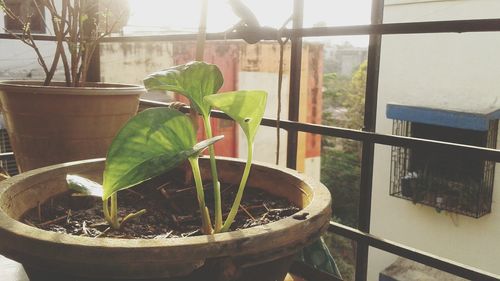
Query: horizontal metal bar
[[35, 36], [370, 137], [454, 26], [392, 140], [6, 155], [266, 33], [422, 257]]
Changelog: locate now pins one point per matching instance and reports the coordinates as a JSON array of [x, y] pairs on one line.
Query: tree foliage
[[344, 101], [341, 157]]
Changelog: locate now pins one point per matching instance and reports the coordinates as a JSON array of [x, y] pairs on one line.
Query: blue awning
[[463, 120]]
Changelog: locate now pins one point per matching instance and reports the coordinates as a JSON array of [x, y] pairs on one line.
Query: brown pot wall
[[56, 124], [258, 253]]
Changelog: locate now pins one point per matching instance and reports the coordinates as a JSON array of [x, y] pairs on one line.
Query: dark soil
[[171, 211]]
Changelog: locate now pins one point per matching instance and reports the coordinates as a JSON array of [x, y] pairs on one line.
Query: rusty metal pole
[[94, 70], [295, 72]]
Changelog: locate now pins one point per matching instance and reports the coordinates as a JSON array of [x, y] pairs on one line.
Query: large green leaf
[[151, 143], [195, 80], [245, 107]]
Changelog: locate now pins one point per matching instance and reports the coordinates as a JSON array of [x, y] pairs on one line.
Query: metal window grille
[[8, 164], [460, 192]]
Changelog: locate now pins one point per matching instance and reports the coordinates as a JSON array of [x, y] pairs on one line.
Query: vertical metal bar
[[94, 70], [295, 72], [365, 197]]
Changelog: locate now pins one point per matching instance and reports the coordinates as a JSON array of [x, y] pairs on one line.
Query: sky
[[184, 15]]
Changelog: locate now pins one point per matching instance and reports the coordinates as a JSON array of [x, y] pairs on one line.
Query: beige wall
[[265, 140], [259, 69], [449, 71], [130, 62]]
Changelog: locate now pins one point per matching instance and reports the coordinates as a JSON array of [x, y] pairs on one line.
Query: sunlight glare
[[183, 16]]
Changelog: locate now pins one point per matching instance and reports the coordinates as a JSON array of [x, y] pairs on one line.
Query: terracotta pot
[[261, 253], [57, 124]]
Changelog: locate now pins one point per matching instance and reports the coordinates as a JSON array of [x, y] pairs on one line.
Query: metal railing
[[367, 136]]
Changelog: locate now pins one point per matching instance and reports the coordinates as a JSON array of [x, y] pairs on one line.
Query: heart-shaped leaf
[[84, 186], [152, 142], [245, 107], [194, 80]]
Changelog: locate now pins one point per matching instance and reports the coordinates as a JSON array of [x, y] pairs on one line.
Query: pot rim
[[59, 87], [319, 204]]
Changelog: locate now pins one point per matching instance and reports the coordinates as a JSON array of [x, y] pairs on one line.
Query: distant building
[[344, 59], [442, 87]]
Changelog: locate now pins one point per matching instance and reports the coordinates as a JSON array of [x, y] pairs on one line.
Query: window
[[460, 183], [25, 9]]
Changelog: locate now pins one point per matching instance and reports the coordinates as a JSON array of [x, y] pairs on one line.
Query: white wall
[[449, 71], [312, 167], [265, 140]]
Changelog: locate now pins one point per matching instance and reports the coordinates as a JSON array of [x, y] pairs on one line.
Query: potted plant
[[53, 122], [151, 143]]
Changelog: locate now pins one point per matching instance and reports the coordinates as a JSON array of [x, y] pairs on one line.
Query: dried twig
[[170, 202], [190, 233], [166, 235], [58, 219], [247, 212], [68, 216], [84, 229], [103, 233], [28, 222], [39, 209], [246, 209], [136, 193]]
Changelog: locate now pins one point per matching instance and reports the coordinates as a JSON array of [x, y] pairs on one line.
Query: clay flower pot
[[257, 253], [56, 124]]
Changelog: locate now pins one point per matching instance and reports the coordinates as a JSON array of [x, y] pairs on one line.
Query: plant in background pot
[[151, 143], [54, 122]]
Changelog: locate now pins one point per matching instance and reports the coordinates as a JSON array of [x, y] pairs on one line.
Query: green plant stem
[[215, 178], [241, 188], [110, 210], [114, 210], [105, 210], [132, 215], [205, 216]]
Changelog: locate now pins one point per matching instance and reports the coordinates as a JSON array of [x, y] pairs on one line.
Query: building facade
[[443, 87]]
